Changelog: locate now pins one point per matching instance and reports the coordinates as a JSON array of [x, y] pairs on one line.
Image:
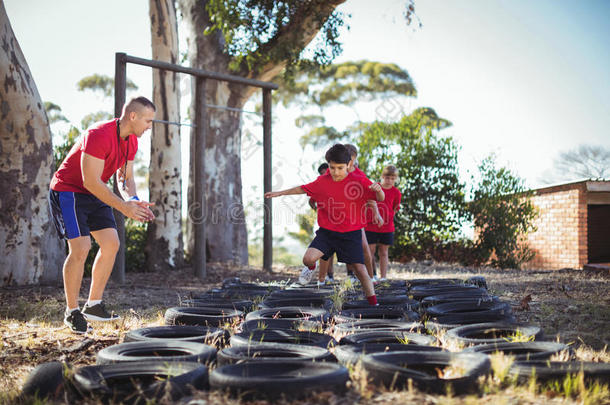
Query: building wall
[[560, 240]]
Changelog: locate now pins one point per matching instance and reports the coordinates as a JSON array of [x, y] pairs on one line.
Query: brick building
[[573, 228]]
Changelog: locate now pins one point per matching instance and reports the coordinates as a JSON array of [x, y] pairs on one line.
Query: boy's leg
[[311, 256], [367, 255], [373, 248], [108, 240], [330, 271], [323, 269], [74, 266], [365, 280], [383, 259]]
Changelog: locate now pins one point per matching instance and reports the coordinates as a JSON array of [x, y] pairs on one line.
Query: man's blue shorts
[[385, 238], [77, 214], [347, 245]]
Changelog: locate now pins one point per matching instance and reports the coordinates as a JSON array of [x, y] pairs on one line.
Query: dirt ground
[[572, 306]]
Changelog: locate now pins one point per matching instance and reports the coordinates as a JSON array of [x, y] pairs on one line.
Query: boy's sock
[[372, 300], [312, 268], [69, 310], [91, 303]]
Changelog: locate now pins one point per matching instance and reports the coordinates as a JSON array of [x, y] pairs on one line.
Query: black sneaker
[[98, 312], [77, 322]]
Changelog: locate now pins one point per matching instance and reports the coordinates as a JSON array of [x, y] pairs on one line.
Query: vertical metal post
[[267, 183], [199, 213], [120, 80]]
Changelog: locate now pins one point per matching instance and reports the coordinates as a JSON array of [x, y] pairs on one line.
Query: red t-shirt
[[387, 208], [341, 204], [100, 142]]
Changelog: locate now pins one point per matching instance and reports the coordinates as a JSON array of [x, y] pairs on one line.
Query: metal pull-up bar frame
[[200, 126]]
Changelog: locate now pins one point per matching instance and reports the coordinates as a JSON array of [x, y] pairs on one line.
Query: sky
[[524, 79]]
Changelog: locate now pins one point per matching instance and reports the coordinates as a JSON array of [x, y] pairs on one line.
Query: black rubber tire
[[291, 313], [389, 283], [373, 312], [276, 379], [351, 354], [421, 292], [164, 351], [240, 305], [558, 370], [47, 381], [281, 324], [470, 308], [522, 351], [185, 333], [388, 336], [314, 302], [401, 301], [263, 336], [233, 293], [432, 282], [479, 281], [482, 333], [138, 382], [448, 298], [472, 318], [303, 292], [273, 352], [376, 324], [202, 316], [389, 369]]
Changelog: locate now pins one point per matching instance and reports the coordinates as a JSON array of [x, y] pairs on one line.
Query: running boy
[[383, 236], [341, 198]]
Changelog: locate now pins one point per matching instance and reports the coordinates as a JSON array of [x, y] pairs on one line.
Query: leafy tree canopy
[[101, 83], [54, 113]]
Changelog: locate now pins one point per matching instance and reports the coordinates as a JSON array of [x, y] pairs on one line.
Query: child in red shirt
[[383, 235], [341, 199]]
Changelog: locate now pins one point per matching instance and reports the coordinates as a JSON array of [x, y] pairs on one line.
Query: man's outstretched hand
[[139, 210]]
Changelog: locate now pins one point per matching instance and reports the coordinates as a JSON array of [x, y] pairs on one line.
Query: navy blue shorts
[[385, 238], [77, 214], [347, 245]]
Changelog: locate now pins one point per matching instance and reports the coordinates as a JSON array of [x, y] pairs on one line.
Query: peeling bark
[[31, 251], [164, 242]]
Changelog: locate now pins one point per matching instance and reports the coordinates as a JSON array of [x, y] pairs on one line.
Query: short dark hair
[[322, 168], [353, 151], [338, 153], [137, 103]]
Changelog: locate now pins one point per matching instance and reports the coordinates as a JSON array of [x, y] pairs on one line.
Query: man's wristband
[[134, 198]]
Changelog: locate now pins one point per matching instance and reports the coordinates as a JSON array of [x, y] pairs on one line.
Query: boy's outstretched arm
[[377, 219], [294, 190], [379, 194]]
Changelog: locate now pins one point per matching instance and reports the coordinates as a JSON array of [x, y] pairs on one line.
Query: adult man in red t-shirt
[[81, 205]]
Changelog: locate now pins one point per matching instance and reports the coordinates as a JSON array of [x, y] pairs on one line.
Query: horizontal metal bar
[[224, 107], [182, 124], [197, 72]]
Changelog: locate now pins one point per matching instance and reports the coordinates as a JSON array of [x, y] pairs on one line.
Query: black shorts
[[347, 245], [77, 214], [384, 238]]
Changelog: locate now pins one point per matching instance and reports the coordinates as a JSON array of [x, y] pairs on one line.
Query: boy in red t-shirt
[[383, 235], [341, 199]]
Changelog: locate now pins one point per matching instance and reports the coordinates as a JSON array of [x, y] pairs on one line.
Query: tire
[[408, 339], [522, 351], [376, 324], [163, 351], [240, 305], [273, 352], [199, 334], [479, 281], [396, 284], [263, 336], [448, 298], [432, 282], [423, 367], [314, 302], [47, 381], [421, 292], [473, 318], [351, 354], [470, 308], [250, 325], [556, 370], [302, 292], [204, 316], [401, 301], [291, 313], [373, 312], [233, 293], [482, 333], [276, 379], [137, 382]]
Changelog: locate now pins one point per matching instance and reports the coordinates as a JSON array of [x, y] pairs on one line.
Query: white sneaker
[[353, 279], [306, 275], [321, 284], [375, 279]]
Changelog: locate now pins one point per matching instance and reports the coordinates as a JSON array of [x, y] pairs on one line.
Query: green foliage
[[257, 33], [433, 199], [101, 83], [92, 118], [54, 113], [306, 223], [61, 151], [503, 214]]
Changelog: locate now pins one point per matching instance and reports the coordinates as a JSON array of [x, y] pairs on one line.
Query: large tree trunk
[[225, 221], [31, 251], [164, 244]]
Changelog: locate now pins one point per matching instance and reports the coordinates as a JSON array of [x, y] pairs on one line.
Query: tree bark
[[227, 239], [31, 250], [164, 243]]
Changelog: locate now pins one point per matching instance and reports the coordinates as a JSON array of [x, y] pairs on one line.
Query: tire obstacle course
[[241, 339]]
